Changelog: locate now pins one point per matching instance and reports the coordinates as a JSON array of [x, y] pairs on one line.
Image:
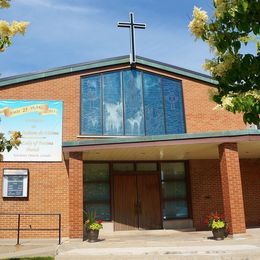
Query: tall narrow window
[[97, 189], [174, 114], [153, 105], [113, 106], [174, 190], [133, 102], [91, 113]]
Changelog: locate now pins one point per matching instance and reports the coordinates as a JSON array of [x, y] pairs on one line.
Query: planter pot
[[92, 235], [219, 234]]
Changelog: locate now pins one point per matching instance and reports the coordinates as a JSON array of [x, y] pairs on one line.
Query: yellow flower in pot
[[217, 224], [92, 226]]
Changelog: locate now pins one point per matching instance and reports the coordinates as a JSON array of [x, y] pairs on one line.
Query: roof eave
[[104, 63], [213, 137]]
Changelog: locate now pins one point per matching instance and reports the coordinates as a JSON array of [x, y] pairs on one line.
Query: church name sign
[[40, 123]]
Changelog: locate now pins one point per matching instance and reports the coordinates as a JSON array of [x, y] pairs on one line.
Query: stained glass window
[[153, 105], [112, 106], [91, 113], [131, 103], [174, 116]]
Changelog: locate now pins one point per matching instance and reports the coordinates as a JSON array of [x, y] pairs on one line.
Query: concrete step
[[234, 252]]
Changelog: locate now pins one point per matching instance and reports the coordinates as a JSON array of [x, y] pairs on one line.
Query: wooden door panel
[[149, 201], [125, 198]]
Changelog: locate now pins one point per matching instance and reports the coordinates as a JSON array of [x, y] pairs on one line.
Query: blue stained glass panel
[[113, 106], [153, 105], [173, 106], [133, 102], [91, 113]]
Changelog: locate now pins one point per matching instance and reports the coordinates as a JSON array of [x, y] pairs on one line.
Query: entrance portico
[[213, 167]]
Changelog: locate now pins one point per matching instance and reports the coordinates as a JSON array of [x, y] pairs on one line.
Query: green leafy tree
[[235, 24], [9, 30], [9, 144]]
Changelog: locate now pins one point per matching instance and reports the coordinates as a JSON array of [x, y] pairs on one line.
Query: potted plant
[[92, 226], [217, 224]]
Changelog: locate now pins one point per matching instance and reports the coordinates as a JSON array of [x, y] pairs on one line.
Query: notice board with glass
[[15, 183]]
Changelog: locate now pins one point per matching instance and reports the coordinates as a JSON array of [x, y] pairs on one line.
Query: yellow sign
[[42, 109]]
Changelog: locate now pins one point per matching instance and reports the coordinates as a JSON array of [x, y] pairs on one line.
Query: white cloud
[[57, 6]]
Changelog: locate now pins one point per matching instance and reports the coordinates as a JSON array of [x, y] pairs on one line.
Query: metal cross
[[132, 25]]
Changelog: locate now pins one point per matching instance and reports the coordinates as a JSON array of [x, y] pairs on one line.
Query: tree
[[8, 145], [9, 30], [235, 24]]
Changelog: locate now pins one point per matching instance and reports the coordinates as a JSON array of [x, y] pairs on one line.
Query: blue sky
[[64, 32]]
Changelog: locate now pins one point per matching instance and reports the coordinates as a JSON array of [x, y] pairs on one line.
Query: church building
[[139, 142]]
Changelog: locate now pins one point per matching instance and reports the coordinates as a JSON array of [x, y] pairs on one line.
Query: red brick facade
[[75, 195], [48, 193], [231, 187], [206, 191], [250, 174], [58, 187]]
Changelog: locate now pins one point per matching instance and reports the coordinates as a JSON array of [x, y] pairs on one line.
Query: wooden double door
[[137, 201]]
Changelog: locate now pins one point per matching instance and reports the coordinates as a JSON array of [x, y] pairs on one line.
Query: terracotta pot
[[219, 233], [92, 235]]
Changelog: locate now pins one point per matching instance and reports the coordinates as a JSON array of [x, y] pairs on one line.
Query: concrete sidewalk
[[28, 247], [145, 245], [164, 244]]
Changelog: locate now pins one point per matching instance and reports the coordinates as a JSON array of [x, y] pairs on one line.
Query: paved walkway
[[164, 244], [33, 247], [145, 245]]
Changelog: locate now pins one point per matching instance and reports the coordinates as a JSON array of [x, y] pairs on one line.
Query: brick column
[[75, 195], [232, 188]]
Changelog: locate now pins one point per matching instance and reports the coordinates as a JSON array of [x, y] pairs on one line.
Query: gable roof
[[104, 63]]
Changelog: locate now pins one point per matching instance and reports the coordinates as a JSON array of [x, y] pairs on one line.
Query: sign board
[[40, 123], [15, 183]]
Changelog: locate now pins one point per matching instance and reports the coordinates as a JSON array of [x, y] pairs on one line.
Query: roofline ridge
[[77, 67]]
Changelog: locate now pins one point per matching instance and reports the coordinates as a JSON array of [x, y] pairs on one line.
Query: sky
[[64, 32]]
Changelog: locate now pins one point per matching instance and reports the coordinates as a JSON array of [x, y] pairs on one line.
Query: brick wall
[[49, 181], [75, 195], [200, 113], [48, 193], [206, 191], [232, 187], [200, 116], [250, 173]]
